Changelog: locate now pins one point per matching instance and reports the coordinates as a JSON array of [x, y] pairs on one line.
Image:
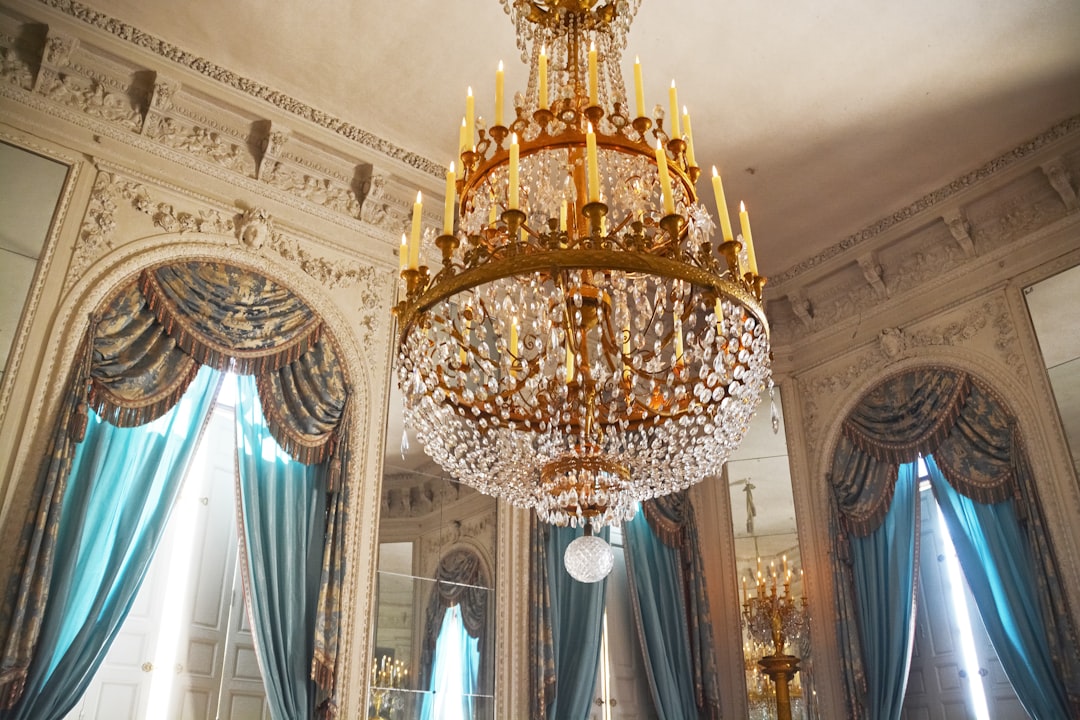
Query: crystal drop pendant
[[404, 442], [773, 412]]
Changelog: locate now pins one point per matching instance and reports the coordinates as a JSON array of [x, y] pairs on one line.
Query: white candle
[[677, 331], [448, 206], [593, 164], [639, 88], [673, 97], [403, 252], [543, 79], [463, 137], [721, 205], [569, 362], [470, 118], [414, 238], [514, 150], [748, 240], [689, 138], [665, 179], [499, 82], [562, 216], [594, 77], [514, 336]]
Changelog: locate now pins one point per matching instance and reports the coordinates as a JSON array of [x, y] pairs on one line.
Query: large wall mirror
[[767, 555], [30, 187], [1054, 304], [433, 652]]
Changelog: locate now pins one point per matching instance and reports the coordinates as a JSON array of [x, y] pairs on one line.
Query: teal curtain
[[577, 614], [283, 506], [997, 565], [121, 489], [455, 671], [656, 594], [884, 568]]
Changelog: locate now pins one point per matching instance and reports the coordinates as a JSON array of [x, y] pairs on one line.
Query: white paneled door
[[186, 651]]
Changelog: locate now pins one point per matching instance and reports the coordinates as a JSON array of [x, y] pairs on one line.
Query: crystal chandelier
[[584, 344]]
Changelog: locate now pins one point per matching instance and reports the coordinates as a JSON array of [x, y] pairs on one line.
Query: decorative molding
[[203, 143], [961, 230], [801, 307], [820, 392], [872, 270], [84, 84], [215, 72], [479, 529], [319, 190], [14, 70], [1061, 181], [930, 200], [253, 228]]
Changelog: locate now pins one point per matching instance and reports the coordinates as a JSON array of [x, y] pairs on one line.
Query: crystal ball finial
[[588, 559]]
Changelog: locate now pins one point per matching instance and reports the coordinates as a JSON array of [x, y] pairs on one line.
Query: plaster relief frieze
[[58, 50], [91, 97], [55, 56], [402, 498], [254, 229], [1016, 217], [319, 190], [960, 229], [271, 146], [875, 286], [820, 392], [95, 235], [205, 144]]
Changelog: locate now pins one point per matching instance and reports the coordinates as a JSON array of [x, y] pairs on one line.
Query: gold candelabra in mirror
[[387, 677], [773, 619]]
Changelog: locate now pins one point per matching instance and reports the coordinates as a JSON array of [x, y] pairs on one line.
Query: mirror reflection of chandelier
[[584, 344]]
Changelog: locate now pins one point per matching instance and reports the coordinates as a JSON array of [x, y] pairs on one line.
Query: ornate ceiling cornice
[[212, 70], [931, 199]]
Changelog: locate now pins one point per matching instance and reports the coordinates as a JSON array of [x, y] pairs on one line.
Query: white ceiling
[[845, 110]]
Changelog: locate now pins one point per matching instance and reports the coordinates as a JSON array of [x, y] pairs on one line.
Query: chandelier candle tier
[[584, 345]]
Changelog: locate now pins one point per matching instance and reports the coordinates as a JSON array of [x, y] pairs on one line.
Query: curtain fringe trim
[[669, 532], [322, 671], [114, 410], [206, 352], [1000, 492], [15, 682], [307, 449], [927, 442]]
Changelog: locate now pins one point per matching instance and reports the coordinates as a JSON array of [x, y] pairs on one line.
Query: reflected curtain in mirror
[[461, 583]]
